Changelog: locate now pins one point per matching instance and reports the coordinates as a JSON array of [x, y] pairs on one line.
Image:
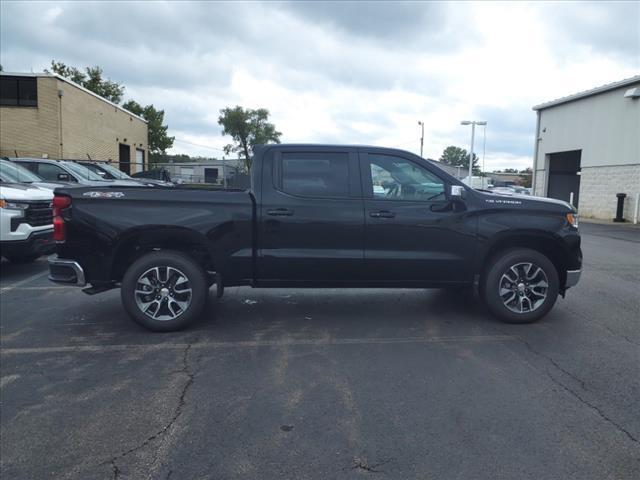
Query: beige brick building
[[46, 115]]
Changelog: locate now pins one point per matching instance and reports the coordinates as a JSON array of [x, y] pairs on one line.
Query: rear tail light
[[59, 204]]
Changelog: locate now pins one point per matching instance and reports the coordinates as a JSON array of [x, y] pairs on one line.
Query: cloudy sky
[[338, 72]]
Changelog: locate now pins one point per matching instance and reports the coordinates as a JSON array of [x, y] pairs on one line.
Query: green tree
[[159, 141], [92, 79], [459, 157], [526, 176], [247, 128]]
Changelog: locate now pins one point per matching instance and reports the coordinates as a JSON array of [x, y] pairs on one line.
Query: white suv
[[26, 223]]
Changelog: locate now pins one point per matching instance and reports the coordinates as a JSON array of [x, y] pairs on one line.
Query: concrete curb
[[598, 221]]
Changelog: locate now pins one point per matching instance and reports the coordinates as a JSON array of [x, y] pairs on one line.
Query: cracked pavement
[[326, 384]]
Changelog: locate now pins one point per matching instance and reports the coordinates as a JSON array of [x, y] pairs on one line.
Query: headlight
[[12, 205], [572, 218]]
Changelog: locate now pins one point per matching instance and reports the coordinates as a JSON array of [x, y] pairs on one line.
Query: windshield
[[83, 172], [10, 172], [114, 171]]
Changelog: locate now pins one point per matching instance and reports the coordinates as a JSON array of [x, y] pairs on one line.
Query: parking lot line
[[52, 287], [24, 282], [259, 343]]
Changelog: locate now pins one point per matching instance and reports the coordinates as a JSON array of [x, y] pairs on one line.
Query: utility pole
[[473, 124], [421, 123]]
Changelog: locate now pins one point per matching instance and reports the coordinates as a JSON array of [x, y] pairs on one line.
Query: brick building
[[588, 148], [46, 115]]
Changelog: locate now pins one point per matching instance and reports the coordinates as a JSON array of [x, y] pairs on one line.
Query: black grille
[[38, 214]]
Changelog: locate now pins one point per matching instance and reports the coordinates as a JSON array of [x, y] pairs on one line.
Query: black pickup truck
[[316, 216]]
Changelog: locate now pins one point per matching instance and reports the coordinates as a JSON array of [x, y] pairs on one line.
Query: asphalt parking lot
[[326, 383]]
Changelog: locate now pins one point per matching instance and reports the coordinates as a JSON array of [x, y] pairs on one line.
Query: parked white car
[[26, 222]]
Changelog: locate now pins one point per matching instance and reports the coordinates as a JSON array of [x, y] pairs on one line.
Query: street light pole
[[473, 134], [421, 123], [484, 147]]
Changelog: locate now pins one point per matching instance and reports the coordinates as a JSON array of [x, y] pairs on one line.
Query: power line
[[199, 145]]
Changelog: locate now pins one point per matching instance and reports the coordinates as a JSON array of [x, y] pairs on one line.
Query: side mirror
[[63, 177], [457, 192]]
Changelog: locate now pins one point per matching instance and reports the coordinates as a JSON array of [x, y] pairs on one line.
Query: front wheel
[[521, 286], [164, 290]]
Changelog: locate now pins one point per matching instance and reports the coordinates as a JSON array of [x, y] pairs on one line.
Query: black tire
[[169, 296], [23, 258], [494, 283]]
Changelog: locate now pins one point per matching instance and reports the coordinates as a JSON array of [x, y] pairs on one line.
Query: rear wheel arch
[[136, 244]]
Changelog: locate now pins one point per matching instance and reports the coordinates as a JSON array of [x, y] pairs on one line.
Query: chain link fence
[[210, 173]]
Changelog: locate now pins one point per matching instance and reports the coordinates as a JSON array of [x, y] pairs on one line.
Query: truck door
[[413, 234], [311, 218]]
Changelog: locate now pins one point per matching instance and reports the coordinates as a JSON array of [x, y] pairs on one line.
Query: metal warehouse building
[[588, 149]]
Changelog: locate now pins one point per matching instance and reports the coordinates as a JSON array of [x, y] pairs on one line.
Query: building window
[[18, 91]]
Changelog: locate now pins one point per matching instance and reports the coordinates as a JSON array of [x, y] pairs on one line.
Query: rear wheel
[[521, 286], [164, 291]]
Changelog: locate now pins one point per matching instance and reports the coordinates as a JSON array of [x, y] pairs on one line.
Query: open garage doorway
[[124, 158], [564, 176]]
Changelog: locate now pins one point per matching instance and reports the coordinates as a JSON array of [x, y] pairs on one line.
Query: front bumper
[[573, 277], [67, 272], [37, 243]]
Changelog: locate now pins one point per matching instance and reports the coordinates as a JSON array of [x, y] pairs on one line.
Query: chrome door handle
[[382, 214], [280, 212]]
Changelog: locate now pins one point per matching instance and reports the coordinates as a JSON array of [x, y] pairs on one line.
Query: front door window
[[394, 178]]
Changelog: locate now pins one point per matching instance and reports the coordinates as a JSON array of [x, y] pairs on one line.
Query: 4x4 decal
[[103, 194]]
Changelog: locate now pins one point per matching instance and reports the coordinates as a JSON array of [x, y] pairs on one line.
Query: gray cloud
[[397, 22], [183, 57], [198, 43], [611, 27], [510, 129]]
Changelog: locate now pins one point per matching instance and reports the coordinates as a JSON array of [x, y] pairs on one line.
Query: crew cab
[[316, 216]]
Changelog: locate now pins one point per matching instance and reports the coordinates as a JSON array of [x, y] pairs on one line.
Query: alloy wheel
[[523, 287], [163, 293]]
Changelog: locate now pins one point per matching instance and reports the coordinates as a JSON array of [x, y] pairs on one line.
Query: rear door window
[[49, 171], [316, 174]]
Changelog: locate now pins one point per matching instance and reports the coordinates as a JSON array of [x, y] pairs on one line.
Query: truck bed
[[220, 221]]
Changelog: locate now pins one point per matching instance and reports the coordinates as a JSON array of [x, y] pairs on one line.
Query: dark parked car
[[109, 172], [161, 174], [68, 172], [316, 216]]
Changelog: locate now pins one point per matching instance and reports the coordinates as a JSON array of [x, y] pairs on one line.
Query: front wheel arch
[[547, 245], [136, 244]]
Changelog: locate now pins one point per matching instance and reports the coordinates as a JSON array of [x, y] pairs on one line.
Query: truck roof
[[320, 146]]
